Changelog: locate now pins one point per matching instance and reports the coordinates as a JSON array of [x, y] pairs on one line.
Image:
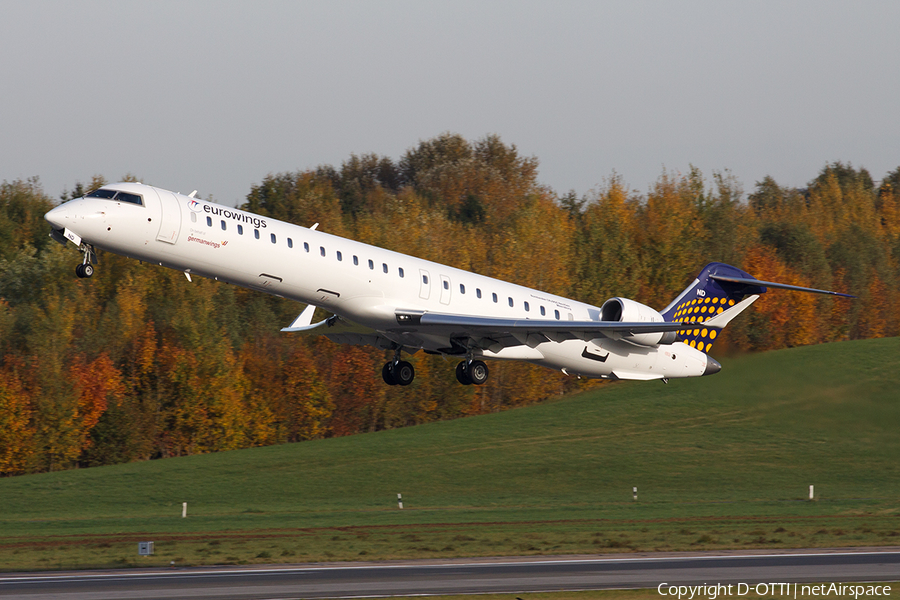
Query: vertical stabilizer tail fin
[[709, 303], [717, 288], [719, 294]]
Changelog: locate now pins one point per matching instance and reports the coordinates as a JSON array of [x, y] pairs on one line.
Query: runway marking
[[188, 572]]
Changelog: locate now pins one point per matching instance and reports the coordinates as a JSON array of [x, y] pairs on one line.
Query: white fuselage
[[361, 283]]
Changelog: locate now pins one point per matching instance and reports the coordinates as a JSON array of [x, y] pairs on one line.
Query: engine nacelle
[[623, 310]]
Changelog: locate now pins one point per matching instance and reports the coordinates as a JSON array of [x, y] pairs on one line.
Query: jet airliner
[[401, 303]]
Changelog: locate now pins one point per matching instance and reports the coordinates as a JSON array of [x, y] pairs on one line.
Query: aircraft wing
[[492, 333], [336, 329], [496, 332]]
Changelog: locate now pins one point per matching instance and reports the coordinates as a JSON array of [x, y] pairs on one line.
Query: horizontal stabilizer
[[782, 286]]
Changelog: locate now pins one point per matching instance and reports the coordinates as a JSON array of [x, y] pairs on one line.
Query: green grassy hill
[[728, 451]]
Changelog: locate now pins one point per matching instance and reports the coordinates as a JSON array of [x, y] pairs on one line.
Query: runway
[[514, 575]]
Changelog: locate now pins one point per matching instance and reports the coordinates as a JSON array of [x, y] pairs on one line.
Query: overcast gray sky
[[215, 94]]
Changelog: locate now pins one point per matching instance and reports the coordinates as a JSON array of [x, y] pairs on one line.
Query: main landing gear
[[398, 372], [471, 372]]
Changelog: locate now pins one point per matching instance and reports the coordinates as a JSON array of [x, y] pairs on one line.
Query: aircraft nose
[[57, 216], [712, 366]]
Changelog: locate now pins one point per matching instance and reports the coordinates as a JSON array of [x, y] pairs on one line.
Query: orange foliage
[[16, 429], [97, 383], [355, 377], [875, 312], [791, 316], [198, 367]]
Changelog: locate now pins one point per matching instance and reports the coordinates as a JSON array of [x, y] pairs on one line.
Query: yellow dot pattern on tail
[[696, 311]]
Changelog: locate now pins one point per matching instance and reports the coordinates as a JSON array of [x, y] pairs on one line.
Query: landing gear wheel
[[403, 373], [84, 270], [477, 372], [461, 375], [387, 373]]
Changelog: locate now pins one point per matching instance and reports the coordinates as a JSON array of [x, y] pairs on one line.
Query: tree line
[[137, 363]]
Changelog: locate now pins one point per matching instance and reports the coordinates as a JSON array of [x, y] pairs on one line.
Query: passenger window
[[527, 308], [272, 237], [355, 260], [384, 267], [446, 285], [556, 314], [478, 293], [223, 225], [322, 250], [340, 256], [371, 264], [240, 229], [306, 246], [425, 279], [494, 296], [543, 312], [209, 221], [290, 243], [256, 233], [462, 289], [510, 302], [400, 270]]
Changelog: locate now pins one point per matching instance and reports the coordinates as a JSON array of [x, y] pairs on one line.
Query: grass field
[[719, 462]]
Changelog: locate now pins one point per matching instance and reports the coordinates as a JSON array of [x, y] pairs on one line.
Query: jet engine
[[623, 310]]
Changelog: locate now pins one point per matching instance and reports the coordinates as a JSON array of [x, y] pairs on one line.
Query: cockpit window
[[118, 196], [126, 197]]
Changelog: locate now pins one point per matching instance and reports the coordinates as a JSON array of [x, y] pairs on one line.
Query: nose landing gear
[[86, 268]]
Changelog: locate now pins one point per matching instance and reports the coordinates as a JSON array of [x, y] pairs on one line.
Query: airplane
[[401, 303]]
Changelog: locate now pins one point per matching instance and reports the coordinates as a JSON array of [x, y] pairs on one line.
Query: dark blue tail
[[717, 288]]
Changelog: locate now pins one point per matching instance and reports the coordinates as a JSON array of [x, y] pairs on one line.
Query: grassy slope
[[745, 443]]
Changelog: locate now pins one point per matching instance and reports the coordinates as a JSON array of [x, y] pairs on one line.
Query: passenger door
[[445, 289], [170, 223], [424, 284]]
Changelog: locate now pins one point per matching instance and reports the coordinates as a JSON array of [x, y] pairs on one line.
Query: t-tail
[[719, 294]]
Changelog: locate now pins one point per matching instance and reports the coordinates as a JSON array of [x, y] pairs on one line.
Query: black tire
[[387, 373], [477, 372], [403, 373], [87, 269], [78, 272], [461, 375]]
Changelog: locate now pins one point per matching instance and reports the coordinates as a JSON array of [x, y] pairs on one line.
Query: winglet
[[724, 318], [304, 320]]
